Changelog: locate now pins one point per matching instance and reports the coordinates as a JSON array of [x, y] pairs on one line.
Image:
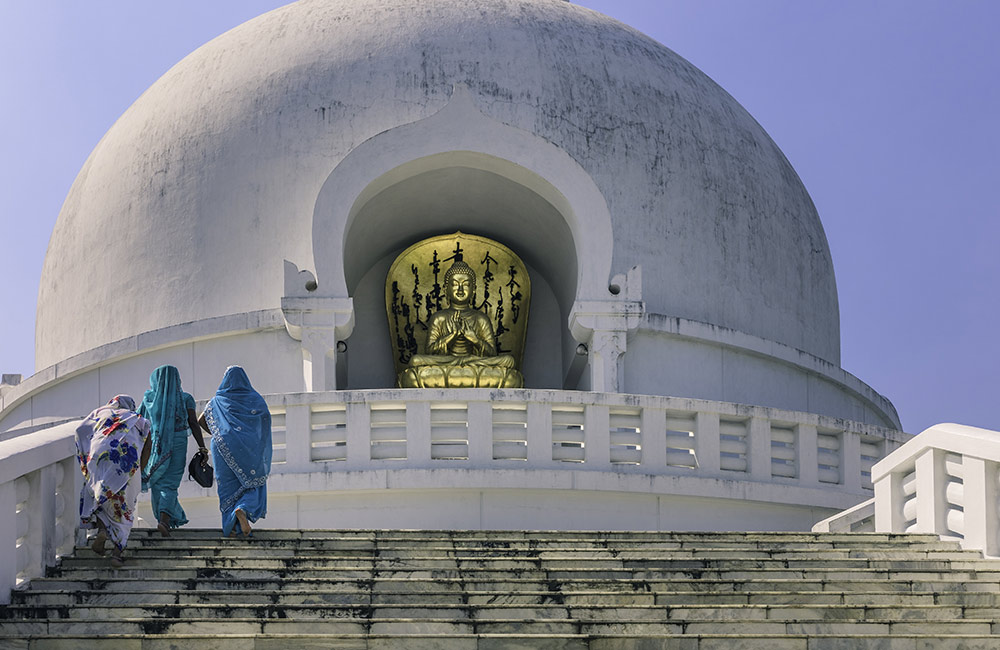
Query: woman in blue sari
[[171, 414], [240, 424]]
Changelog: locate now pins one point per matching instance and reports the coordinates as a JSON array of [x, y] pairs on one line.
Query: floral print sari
[[108, 443]]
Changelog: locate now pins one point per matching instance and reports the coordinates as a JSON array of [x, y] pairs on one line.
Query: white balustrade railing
[[945, 481], [40, 484], [550, 429], [472, 429]]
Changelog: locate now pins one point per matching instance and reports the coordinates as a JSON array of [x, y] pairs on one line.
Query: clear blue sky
[[889, 111]]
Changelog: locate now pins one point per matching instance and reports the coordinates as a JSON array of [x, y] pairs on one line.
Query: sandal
[[164, 525], [99, 541]]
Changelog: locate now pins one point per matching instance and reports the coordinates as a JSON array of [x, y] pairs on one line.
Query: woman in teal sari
[[171, 414], [240, 424]]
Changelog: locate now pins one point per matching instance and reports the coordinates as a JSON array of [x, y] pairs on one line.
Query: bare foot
[[244, 524], [99, 541]]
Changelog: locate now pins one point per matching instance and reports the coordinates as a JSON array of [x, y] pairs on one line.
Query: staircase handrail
[[943, 481], [39, 488]]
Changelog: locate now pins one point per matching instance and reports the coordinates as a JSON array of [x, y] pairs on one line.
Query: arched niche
[[460, 170], [439, 197]]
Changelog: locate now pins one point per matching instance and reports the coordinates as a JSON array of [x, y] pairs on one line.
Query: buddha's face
[[459, 289]]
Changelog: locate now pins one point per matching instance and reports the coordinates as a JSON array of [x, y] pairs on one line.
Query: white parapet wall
[[40, 483], [492, 459], [520, 459], [943, 481]]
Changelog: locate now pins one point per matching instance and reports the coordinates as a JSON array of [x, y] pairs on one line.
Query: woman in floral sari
[[240, 424], [171, 415], [108, 444]]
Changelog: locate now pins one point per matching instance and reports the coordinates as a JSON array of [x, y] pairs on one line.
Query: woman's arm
[[144, 454], [196, 429]]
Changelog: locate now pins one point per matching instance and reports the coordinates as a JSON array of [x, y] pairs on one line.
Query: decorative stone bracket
[[603, 325], [319, 322]]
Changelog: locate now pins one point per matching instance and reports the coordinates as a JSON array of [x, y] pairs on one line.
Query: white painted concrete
[[946, 481], [482, 459], [703, 362]]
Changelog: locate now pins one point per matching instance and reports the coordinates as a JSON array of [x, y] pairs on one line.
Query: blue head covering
[[241, 425], [163, 406]]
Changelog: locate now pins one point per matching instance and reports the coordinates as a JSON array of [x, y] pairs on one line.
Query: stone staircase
[[458, 590]]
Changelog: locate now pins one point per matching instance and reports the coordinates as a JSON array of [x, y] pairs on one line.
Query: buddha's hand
[[457, 325], [470, 334]]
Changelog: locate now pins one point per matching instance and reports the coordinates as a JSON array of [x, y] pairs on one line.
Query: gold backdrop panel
[[415, 291]]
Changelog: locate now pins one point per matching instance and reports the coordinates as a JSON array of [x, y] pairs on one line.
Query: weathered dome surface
[[187, 207]]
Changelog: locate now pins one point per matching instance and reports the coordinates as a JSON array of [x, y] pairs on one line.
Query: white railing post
[[980, 504], [539, 432], [930, 495], [418, 433], [850, 460], [8, 540], [480, 429], [759, 449], [68, 512], [42, 527], [706, 442], [298, 438], [807, 454], [359, 435], [654, 439], [597, 436], [889, 500]]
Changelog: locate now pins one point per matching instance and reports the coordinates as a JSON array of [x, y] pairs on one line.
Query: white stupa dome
[[210, 179], [577, 141]]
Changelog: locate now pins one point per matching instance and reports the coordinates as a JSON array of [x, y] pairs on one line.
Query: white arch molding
[[568, 228]]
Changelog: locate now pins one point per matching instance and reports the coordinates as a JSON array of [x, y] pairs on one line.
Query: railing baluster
[[8, 540], [807, 454], [759, 449], [480, 434], [980, 504], [931, 480], [298, 438], [418, 433], [706, 442], [597, 437], [359, 435], [654, 439], [850, 460], [539, 434]]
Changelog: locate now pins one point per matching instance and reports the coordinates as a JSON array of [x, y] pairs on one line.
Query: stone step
[[508, 642], [519, 626], [503, 539], [514, 586], [515, 589], [498, 539], [135, 571], [505, 642], [170, 548], [365, 597], [152, 562], [607, 612]]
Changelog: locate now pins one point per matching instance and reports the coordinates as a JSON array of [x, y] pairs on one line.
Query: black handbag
[[200, 470]]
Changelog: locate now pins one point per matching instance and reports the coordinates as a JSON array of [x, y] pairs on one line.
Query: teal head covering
[[163, 406]]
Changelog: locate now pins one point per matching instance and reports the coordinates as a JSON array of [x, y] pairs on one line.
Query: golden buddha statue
[[461, 352]]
